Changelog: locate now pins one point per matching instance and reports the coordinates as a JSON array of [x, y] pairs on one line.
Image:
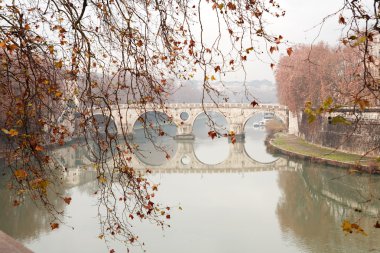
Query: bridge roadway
[[184, 114]]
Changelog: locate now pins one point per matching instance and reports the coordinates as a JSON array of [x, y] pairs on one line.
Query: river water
[[265, 203]]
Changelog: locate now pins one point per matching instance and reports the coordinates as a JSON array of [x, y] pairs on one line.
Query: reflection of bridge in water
[[186, 161], [341, 196], [77, 158]]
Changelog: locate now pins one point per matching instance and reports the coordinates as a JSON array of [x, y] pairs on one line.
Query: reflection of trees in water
[[347, 190], [314, 220], [27, 221]]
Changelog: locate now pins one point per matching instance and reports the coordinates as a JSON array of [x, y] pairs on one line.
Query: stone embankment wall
[[358, 138]]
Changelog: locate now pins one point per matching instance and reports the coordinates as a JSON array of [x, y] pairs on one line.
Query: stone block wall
[[356, 138]]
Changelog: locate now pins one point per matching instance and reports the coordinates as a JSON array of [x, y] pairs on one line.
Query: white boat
[[259, 124]]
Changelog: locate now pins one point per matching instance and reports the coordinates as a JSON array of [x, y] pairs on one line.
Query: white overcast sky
[[297, 27]]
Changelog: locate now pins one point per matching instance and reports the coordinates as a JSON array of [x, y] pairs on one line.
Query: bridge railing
[[199, 105]]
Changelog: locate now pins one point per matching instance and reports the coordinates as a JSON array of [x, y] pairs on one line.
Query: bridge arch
[[276, 115], [152, 122], [218, 148], [257, 161], [221, 122], [103, 124]]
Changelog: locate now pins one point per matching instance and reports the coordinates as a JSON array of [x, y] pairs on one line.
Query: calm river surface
[[283, 206]]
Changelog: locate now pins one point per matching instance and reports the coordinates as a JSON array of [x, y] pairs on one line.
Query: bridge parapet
[[198, 105]]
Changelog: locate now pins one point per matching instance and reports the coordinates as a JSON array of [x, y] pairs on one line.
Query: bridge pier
[[239, 131], [238, 138], [184, 132]]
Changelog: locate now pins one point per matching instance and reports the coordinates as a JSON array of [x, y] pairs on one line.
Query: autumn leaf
[[102, 179], [51, 49], [311, 118], [11, 132], [278, 40], [58, 64], [54, 226], [212, 134], [139, 43], [272, 49], [67, 200], [101, 237], [352, 37], [39, 184], [254, 103], [12, 47], [217, 69], [271, 65], [39, 148], [360, 40], [16, 202], [231, 6], [168, 216], [289, 51], [213, 78], [340, 120], [346, 226], [248, 50], [363, 103], [327, 103], [58, 94], [342, 20], [377, 225], [20, 174], [349, 228]]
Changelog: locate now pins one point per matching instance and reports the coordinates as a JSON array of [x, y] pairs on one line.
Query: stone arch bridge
[[236, 114]]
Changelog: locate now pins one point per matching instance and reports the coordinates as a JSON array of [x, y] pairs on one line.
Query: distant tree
[[314, 74]]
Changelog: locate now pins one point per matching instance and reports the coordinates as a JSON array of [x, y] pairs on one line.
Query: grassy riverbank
[[294, 146]]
